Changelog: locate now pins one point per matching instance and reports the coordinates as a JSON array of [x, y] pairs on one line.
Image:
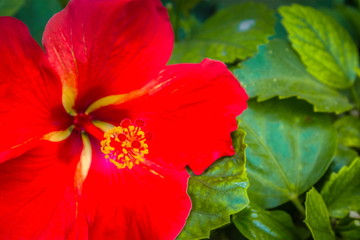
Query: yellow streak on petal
[[103, 126], [58, 136], [108, 100], [83, 166], [150, 88], [68, 75], [68, 99]]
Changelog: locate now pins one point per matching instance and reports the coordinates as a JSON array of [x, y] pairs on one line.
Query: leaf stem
[[356, 97], [295, 200]]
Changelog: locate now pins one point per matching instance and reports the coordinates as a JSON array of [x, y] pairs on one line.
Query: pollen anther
[[125, 145]]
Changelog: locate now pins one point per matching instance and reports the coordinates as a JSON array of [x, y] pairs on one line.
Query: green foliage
[[299, 64], [317, 216], [324, 46], [36, 13], [289, 149], [349, 131], [218, 193], [343, 156], [277, 71], [342, 192], [256, 223], [247, 26], [10, 7]]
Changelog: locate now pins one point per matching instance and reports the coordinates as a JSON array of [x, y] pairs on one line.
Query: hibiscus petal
[[145, 202], [108, 47], [190, 112], [30, 90], [37, 193]]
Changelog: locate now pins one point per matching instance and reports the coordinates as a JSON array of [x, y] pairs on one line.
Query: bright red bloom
[[104, 71]]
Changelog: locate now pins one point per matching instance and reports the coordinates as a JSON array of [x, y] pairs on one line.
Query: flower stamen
[[125, 145]]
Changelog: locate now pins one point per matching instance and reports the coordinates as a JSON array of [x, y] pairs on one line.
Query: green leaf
[[317, 216], [256, 223], [185, 6], [351, 231], [36, 14], [232, 33], [218, 193], [289, 149], [349, 131], [10, 7], [343, 156], [342, 192], [264, 76], [324, 46]]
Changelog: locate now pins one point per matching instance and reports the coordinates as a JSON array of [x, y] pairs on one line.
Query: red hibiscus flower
[[97, 130]]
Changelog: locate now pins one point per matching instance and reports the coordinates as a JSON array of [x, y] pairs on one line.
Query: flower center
[[125, 145], [82, 122]]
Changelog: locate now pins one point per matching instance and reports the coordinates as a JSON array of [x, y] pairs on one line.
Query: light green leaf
[[324, 46], [349, 131], [232, 33], [36, 14], [277, 71], [289, 149], [10, 7], [256, 223], [342, 192], [218, 193], [317, 216]]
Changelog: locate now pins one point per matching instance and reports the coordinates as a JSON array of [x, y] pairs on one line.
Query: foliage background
[[296, 171]]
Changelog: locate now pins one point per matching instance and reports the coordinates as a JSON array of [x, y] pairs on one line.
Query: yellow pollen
[[125, 145]]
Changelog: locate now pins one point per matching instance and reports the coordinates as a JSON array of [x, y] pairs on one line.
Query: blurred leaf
[[343, 156], [317, 216], [218, 193], [324, 46], [10, 7], [289, 149], [274, 4], [63, 2], [256, 223], [342, 192], [232, 33], [351, 231], [36, 14], [349, 131], [343, 18], [353, 17], [185, 5], [264, 76]]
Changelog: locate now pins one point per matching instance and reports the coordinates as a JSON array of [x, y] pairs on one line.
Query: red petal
[[108, 47], [30, 91], [135, 203], [37, 194], [190, 113]]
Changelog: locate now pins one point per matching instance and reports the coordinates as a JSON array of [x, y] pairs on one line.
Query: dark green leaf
[[351, 231], [36, 14], [10, 7], [343, 156], [342, 192], [349, 131], [317, 216], [289, 149], [256, 223], [218, 193], [277, 71], [232, 33], [324, 46]]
